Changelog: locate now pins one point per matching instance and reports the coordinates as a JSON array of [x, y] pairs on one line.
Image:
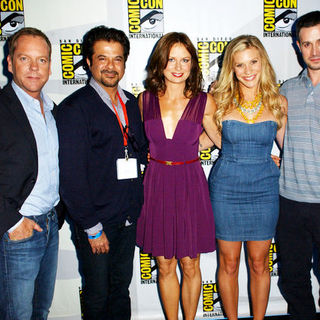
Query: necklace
[[252, 120], [249, 107]]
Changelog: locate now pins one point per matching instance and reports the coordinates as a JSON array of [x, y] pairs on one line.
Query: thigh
[[293, 239], [94, 268], [45, 281], [258, 250], [122, 247], [20, 265]]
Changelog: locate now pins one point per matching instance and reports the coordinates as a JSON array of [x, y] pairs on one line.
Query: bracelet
[[95, 236]]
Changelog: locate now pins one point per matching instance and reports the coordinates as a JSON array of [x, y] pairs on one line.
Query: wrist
[[96, 236]]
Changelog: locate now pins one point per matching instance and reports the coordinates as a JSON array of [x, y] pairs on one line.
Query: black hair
[[309, 19], [106, 34]]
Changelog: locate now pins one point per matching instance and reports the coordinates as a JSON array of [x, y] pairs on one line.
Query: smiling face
[[30, 64], [247, 68], [309, 45], [179, 64], [107, 63]]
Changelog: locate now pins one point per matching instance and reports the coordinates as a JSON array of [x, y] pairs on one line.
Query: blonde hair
[[227, 85]]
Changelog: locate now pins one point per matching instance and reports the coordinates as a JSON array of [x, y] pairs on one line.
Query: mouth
[[315, 59], [177, 75], [110, 74], [250, 78]]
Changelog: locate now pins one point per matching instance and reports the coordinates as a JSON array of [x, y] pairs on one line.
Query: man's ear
[[9, 61], [298, 44]]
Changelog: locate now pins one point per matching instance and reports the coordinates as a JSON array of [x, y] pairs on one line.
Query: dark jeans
[[297, 231], [28, 271], [106, 277]]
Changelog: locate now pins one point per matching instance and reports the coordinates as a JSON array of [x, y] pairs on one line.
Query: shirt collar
[[305, 77], [26, 98], [103, 94]]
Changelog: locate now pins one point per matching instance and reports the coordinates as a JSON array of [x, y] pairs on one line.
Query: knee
[[166, 270], [190, 269], [258, 267], [230, 265]]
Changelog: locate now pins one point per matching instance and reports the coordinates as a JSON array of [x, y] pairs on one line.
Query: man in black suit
[[29, 181], [101, 144]]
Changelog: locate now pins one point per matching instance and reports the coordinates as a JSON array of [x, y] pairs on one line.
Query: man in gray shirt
[[299, 221]]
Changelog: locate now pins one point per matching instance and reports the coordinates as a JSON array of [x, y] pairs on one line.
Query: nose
[[178, 65], [247, 69], [109, 64], [34, 65], [316, 49]]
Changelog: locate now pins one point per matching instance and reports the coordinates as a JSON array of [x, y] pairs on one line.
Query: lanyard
[[124, 131]]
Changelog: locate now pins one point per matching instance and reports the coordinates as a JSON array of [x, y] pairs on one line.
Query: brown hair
[[155, 81], [28, 31]]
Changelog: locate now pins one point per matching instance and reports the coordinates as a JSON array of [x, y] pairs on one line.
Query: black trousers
[[106, 277], [298, 231]]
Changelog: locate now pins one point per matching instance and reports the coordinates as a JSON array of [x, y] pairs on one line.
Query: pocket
[[7, 238], [275, 171]]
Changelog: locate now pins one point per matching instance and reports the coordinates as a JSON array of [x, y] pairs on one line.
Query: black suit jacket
[[90, 142], [18, 158]]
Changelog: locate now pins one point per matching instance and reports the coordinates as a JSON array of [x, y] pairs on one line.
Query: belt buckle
[[169, 163]]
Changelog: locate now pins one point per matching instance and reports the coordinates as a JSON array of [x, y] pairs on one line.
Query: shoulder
[[7, 93], [291, 83], [80, 95], [284, 104]]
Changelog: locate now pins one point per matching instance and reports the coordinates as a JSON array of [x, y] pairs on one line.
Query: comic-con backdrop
[[210, 24]]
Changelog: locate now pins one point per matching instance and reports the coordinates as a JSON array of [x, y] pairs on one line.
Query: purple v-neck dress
[[176, 218]]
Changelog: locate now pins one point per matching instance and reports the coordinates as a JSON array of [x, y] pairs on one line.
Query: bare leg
[[169, 286], [191, 286], [258, 259], [229, 259]]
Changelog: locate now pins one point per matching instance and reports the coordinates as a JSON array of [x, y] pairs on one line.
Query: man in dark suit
[[101, 144], [29, 182]]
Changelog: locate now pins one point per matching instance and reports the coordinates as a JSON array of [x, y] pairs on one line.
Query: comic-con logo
[[145, 18], [278, 17], [136, 89], [148, 268], [72, 63], [209, 156], [210, 57], [211, 300], [273, 260], [11, 16]]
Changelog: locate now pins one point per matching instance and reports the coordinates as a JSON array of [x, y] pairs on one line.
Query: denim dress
[[244, 183]]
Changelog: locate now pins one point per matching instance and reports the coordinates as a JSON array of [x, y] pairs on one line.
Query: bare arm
[[208, 122], [140, 103], [204, 141], [281, 131]]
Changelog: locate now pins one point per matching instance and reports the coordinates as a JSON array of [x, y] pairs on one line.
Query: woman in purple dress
[[176, 222]]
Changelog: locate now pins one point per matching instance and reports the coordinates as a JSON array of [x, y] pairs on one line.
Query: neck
[[314, 76], [174, 91], [248, 94], [112, 92]]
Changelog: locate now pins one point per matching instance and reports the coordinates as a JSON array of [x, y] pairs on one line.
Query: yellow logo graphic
[[210, 300], [273, 260], [147, 268], [11, 16], [278, 17], [145, 18], [209, 55], [72, 63]]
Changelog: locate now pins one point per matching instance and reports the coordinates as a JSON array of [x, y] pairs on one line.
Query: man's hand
[[276, 160], [24, 230], [99, 245]]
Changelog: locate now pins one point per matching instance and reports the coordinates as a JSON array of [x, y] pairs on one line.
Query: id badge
[[127, 169]]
